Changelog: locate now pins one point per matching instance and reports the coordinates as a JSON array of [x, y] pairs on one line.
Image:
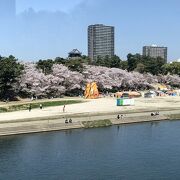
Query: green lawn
[[35, 105]]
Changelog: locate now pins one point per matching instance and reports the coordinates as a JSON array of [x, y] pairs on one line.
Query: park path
[[95, 107]]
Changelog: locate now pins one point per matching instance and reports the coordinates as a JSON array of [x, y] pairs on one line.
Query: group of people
[[154, 113], [66, 121], [120, 116]]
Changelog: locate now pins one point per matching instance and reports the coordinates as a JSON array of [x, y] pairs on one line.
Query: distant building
[[7, 8], [155, 51], [74, 54], [100, 41]]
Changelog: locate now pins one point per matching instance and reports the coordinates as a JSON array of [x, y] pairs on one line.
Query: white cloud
[[53, 5]]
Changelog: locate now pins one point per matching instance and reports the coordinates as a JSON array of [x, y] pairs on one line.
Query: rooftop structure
[[74, 54]]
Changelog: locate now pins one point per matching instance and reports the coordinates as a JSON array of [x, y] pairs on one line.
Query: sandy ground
[[102, 105]]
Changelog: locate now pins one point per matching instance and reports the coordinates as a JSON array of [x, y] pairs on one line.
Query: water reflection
[[132, 151]]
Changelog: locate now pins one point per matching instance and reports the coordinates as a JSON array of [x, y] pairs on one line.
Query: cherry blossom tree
[[33, 81], [109, 78], [63, 81], [71, 80]]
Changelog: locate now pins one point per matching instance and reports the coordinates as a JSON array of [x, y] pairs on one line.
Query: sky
[[42, 29]]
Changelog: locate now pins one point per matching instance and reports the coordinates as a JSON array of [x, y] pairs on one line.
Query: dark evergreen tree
[[10, 71]]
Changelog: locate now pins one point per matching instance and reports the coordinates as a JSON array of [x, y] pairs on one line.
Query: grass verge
[[2, 109], [96, 124], [174, 116], [20, 107]]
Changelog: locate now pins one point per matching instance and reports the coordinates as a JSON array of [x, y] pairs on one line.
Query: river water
[[136, 151]]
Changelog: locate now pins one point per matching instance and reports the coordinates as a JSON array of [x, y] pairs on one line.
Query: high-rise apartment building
[[155, 51], [100, 41]]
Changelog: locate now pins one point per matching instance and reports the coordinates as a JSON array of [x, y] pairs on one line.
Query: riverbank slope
[[53, 118]]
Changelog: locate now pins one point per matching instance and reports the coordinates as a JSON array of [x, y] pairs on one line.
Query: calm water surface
[[138, 151]]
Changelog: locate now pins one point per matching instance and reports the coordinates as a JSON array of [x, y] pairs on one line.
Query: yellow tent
[[91, 91], [159, 86]]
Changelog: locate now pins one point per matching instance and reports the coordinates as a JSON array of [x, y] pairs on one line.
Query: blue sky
[[44, 29]]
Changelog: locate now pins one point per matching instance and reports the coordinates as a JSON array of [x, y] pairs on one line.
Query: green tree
[[140, 68], [59, 60], [123, 65], [86, 59], [107, 61], [171, 68], [133, 60], [143, 64], [75, 65], [112, 62], [45, 65], [115, 62], [153, 65], [99, 61], [10, 71]]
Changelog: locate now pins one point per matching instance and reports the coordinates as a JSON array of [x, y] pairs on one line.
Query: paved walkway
[[96, 106]]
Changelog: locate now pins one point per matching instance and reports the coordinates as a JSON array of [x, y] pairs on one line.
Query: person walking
[[30, 107], [66, 121], [40, 106], [118, 117], [64, 108]]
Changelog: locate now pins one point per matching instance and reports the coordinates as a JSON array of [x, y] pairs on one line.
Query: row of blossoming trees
[[64, 81]]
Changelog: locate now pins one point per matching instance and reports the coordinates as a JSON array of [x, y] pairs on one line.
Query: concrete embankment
[[25, 127], [57, 123]]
